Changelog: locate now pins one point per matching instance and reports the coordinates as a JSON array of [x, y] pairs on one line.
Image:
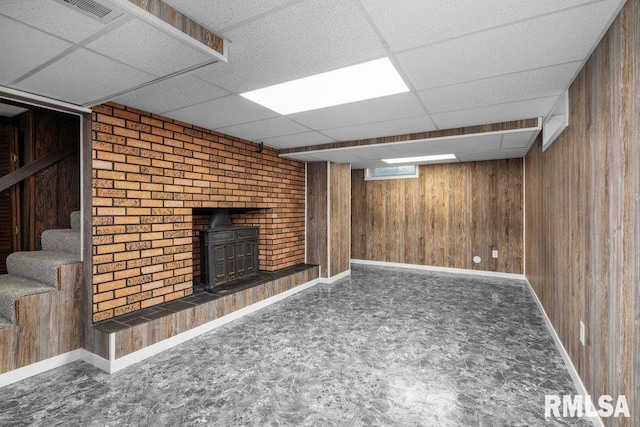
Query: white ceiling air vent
[[93, 9]]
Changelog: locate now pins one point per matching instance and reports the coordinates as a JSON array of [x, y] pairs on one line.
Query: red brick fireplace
[[149, 174]]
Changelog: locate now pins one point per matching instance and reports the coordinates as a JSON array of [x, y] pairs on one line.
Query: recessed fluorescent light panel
[[356, 83], [420, 159]]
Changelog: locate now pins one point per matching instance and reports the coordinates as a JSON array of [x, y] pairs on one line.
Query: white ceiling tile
[[539, 83], [24, 48], [171, 94], [227, 111], [472, 143], [256, 131], [139, 45], [340, 156], [307, 38], [549, 40], [367, 164], [492, 155], [297, 140], [401, 149], [518, 139], [82, 77], [221, 14], [52, 17], [427, 22], [302, 157], [404, 105], [495, 113], [382, 128]]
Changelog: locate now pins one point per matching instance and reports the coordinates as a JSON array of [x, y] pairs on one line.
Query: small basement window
[[391, 172]]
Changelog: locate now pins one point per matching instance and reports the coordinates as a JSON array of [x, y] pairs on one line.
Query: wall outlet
[[582, 333], [494, 253]]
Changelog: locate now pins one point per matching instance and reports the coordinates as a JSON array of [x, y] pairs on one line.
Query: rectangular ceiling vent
[[93, 9]]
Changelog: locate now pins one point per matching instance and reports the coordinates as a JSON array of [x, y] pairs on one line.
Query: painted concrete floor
[[386, 346]]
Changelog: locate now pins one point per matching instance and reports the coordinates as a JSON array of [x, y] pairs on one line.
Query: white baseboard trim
[[39, 367], [577, 381], [115, 365], [336, 277], [441, 269], [95, 360]]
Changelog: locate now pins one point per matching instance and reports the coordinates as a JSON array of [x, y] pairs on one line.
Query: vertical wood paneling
[[8, 198], [449, 214], [317, 215], [328, 211], [339, 211], [56, 190], [583, 219]]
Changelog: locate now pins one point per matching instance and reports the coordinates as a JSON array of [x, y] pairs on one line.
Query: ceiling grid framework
[[467, 64]]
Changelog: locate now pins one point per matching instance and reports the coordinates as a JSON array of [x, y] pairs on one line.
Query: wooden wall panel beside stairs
[[48, 324], [9, 207], [57, 188]]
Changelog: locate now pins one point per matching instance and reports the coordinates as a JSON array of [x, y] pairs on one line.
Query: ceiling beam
[[181, 22], [493, 127]]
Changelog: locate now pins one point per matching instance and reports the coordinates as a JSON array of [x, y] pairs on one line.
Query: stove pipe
[[220, 218]]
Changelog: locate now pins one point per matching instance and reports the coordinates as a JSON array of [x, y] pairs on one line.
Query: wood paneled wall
[[52, 194], [444, 218], [339, 215], [317, 215], [583, 219], [328, 210], [47, 198]]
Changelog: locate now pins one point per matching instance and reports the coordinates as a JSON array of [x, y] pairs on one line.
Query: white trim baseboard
[[441, 269], [39, 367], [577, 381], [336, 277]]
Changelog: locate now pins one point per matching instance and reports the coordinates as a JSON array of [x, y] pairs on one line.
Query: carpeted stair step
[[63, 240], [41, 266], [75, 220], [12, 288]]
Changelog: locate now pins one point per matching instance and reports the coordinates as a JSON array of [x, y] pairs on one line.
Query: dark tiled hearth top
[[199, 296]]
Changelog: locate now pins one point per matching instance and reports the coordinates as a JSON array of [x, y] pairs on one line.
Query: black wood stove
[[227, 253]]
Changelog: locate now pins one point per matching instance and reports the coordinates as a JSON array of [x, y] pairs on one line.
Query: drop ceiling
[[466, 62]]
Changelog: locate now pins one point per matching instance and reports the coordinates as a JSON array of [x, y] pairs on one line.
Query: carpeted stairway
[[36, 272]]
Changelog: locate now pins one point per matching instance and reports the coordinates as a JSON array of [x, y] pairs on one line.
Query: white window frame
[[369, 173]]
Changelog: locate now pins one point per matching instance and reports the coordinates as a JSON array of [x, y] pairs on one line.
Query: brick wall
[[149, 173]]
